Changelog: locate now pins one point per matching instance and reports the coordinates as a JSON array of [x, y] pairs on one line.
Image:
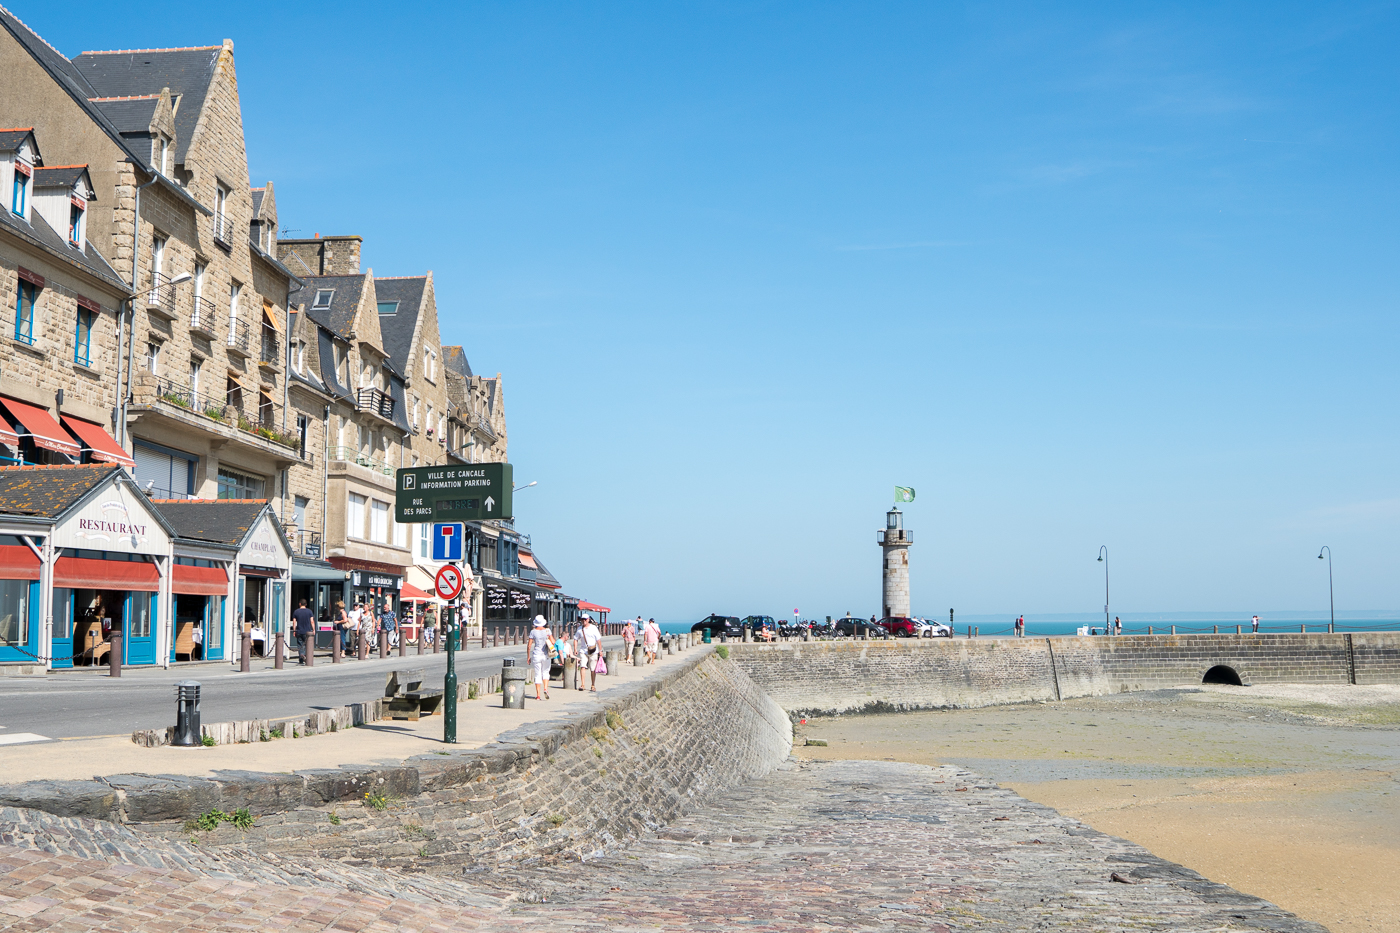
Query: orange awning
[[199, 581], [528, 561], [39, 424], [8, 437], [18, 562], [101, 444], [409, 591]]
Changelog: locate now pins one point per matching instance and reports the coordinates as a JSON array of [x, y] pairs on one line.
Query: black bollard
[[187, 730], [114, 654]]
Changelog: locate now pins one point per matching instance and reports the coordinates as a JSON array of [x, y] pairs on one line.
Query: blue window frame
[[75, 224], [82, 344], [21, 189], [24, 312]]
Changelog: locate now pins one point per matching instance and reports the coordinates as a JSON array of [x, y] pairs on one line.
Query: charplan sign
[[264, 547], [117, 519]]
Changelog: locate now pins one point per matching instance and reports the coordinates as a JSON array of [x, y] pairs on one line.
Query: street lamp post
[[1331, 602], [1103, 559], [526, 486]]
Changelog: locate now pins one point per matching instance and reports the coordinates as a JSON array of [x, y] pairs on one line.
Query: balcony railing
[[221, 228], [239, 339], [261, 421], [895, 536], [160, 297], [204, 317], [271, 346], [309, 544], [354, 455], [377, 402]]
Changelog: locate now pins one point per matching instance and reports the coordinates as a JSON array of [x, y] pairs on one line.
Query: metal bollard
[[279, 652], [1215, 629], [114, 654], [187, 731], [335, 646], [361, 645], [245, 654], [403, 648], [512, 685], [383, 644], [308, 645]]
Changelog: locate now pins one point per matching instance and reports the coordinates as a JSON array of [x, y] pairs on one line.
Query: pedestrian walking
[[629, 637], [651, 637], [305, 628], [369, 625], [342, 626], [1255, 625], [538, 651], [389, 624], [593, 650], [1117, 626]]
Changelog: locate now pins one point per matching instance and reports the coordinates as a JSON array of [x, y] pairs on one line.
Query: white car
[[929, 629]]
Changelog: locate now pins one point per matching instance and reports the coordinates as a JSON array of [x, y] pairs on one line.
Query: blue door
[[139, 629], [62, 627], [19, 617], [214, 627]]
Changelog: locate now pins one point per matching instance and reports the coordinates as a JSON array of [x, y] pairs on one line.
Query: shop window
[[355, 516], [24, 312], [234, 485], [14, 613]]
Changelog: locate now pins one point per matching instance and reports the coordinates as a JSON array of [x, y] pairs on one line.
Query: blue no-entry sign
[[447, 540]]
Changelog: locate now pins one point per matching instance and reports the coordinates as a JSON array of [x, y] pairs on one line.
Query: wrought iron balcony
[[262, 420], [204, 317], [896, 536], [375, 402], [160, 297], [354, 455], [240, 341], [271, 347]]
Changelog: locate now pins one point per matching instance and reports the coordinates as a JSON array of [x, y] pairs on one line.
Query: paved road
[[85, 703]]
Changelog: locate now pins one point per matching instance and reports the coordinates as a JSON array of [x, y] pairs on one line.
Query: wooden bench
[[408, 699]]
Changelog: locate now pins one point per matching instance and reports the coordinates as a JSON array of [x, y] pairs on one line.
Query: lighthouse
[[894, 544]]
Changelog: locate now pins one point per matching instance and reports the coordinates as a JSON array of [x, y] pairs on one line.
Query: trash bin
[[707, 636], [512, 685], [187, 730]]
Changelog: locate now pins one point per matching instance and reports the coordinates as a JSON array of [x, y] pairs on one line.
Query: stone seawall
[[899, 674], [576, 784]]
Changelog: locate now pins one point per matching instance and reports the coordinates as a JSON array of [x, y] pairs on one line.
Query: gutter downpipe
[[125, 394]]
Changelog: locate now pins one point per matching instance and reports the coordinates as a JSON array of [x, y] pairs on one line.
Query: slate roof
[[257, 200], [10, 139], [455, 359], [219, 521], [131, 116], [38, 232], [48, 491], [325, 347], [543, 576], [187, 72], [341, 314], [397, 329], [62, 176], [72, 80]]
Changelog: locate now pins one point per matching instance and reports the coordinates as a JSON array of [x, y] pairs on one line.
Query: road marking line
[[23, 738]]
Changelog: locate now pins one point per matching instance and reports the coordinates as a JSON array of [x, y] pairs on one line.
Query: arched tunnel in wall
[[1222, 674]]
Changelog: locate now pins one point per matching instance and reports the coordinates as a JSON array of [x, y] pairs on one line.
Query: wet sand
[[1291, 793]]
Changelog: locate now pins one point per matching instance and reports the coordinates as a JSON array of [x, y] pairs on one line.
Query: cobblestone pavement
[[849, 845]]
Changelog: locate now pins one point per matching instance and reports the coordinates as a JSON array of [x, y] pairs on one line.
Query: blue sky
[[1080, 274]]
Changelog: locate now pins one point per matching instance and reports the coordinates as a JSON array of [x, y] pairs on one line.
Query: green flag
[[903, 494]]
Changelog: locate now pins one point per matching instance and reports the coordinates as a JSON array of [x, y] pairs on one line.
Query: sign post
[[466, 492], [448, 584]]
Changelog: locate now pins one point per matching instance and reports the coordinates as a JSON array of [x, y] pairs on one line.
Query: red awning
[[8, 437], [99, 442], [39, 425], [528, 560], [199, 581], [89, 574], [592, 607], [18, 562], [409, 591]]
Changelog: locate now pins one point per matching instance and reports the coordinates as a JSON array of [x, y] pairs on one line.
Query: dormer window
[[20, 199], [322, 301]]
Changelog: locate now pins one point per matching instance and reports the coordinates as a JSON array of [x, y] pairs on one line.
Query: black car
[[719, 625], [755, 623], [851, 627]]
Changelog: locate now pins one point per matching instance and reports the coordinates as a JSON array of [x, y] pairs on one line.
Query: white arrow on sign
[[490, 503]]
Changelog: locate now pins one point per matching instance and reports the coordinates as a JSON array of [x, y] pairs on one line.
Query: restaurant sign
[[116, 519], [264, 548]]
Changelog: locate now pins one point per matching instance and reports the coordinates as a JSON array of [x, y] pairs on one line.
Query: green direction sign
[[466, 492]]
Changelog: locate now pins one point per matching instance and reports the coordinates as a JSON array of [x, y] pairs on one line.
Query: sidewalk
[[479, 721]]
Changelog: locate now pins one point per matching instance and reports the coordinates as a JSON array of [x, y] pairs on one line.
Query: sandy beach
[[1286, 792]]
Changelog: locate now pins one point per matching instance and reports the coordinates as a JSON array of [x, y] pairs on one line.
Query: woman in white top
[[538, 650]]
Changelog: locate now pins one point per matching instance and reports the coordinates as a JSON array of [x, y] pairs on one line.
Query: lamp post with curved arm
[[1103, 559], [1331, 602]]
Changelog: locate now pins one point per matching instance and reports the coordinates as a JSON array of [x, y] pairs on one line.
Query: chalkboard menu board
[[519, 599]]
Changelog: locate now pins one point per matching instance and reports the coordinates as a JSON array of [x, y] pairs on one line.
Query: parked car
[[929, 629], [899, 626], [719, 625], [852, 627]]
